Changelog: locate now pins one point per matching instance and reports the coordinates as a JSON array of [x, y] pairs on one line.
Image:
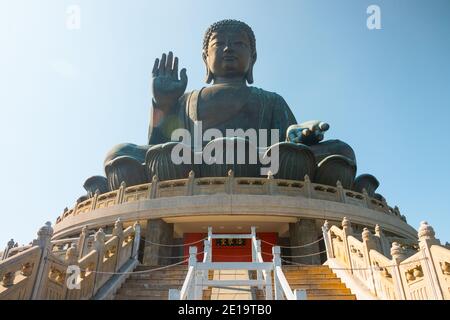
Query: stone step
[[155, 276], [125, 297], [151, 286], [306, 268], [311, 271], [145, 267], [313, 292], [160, 272], [133, 283], [325, 285], [331, 281], [331, 297], [310, 276], [143, 292]]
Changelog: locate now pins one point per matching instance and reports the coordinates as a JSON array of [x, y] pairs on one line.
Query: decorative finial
[[377, 229], [307, 178], [269, 175], [397, 252], [366, 234], [122, 184], [326, 225], [191, 174], [99, 236], [345, 222], [155, 178], [46, 230], [426, 231], [339, 184], [230, 173]]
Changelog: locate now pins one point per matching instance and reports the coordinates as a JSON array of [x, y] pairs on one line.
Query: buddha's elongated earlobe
[[249, 75], [209, 76]]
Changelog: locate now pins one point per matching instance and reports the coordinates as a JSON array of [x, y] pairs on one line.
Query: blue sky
[[68, 96]]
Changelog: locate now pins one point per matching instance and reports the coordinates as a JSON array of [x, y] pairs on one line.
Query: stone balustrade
[[422, 275], [39, 273], [229, 185]]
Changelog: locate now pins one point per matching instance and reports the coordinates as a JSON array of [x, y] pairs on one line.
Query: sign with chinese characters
[[230, 242]]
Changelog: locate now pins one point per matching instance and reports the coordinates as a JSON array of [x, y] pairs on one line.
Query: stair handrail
[[282, 286], [186, 291]]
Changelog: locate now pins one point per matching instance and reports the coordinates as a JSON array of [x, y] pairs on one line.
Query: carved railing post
[[340, 192], [44, 242], [154, 187], [95, 199], [276, 251], [137, 240], [229, 185], [71, 259], [192, 291], [308, 187], [118, 232], [398, 255], [383, 241], [190, 183], [99, 247], [83, 241], [347, 231], [369, 244], [426, 240], [327, 239], [121, 192], [271, 186]]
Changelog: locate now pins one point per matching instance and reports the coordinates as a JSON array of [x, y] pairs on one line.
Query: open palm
[[166, 85]]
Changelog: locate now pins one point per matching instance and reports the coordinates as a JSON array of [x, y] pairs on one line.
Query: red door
[[232, 250]]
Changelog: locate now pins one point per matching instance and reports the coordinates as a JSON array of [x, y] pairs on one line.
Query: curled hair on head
[[230, 24]]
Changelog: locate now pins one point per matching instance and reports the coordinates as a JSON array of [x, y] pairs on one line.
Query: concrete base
[[159, 232], [303, 232]]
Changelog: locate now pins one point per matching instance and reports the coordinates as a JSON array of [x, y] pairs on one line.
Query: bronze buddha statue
[[229, 53]]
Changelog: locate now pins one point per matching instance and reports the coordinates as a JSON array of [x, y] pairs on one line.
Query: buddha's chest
[[219, 101]]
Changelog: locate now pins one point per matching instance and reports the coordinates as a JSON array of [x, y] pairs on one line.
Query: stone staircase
[[319, 282], [152, 285], [155, 285]]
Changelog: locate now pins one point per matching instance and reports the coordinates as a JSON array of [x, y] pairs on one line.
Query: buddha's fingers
[[183, 77], [155, 70], [162, 65], [323, 126], [169, 64], [175, 69]]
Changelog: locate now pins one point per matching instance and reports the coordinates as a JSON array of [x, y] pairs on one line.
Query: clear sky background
[[68, 96]]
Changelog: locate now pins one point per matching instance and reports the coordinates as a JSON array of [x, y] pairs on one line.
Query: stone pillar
[[303, 232], [158, 232]]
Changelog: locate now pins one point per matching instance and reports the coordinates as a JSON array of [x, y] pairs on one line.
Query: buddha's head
[[229, 51]]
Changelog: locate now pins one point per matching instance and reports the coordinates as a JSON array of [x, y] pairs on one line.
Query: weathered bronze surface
[[228, 102]]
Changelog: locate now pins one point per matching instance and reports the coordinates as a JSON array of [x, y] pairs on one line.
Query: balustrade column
[[426, 240], [44, 242], [398, 255]]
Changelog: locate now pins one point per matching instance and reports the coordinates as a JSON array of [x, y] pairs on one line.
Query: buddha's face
[[229, 54]]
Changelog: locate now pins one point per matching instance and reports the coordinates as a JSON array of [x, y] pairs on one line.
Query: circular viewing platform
[[228, 199]]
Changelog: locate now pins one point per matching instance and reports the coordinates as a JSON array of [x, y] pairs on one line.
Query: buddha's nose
[[228, 47]]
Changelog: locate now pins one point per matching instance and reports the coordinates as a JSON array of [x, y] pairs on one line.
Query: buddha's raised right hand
[[166, 86]]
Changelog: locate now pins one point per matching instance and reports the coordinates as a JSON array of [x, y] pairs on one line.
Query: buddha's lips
[[229, 58]]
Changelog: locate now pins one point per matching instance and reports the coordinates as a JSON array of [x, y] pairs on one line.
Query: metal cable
[[301, 246]]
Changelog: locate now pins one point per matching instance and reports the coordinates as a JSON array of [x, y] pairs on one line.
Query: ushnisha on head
[[229, 52]]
